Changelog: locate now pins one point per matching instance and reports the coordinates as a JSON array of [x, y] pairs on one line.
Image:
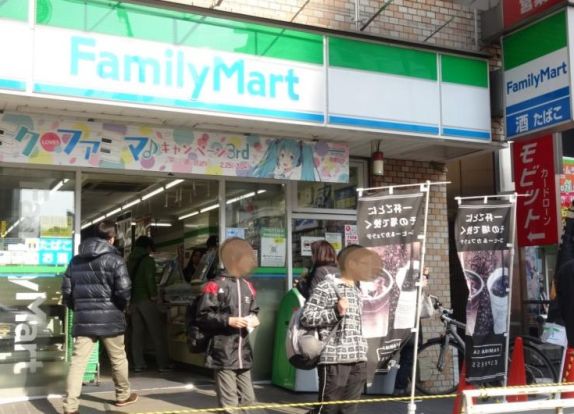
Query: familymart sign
[[237, 69], [538, 75]]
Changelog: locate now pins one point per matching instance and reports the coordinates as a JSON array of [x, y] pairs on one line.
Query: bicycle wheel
[[539, 369], [433, 379]]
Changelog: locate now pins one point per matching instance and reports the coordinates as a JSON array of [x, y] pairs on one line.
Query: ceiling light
[[160, 224], [86, 225], [213, 207], [98, 219], [173, 184], [59, 185], [261, 191], [116, 211], [153, 193], [243, 197], [133, 203], [195, 213]]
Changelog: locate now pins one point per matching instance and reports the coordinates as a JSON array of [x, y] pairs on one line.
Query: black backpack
[[197, 338]]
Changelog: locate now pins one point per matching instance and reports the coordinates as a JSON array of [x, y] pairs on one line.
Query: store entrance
[[182, 219]]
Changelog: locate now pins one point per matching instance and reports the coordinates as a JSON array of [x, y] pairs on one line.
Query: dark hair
[[145, 242], [323, 254], [106, 230], [212, 241], [342, 256]]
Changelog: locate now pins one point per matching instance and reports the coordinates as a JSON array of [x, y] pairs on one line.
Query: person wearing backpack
[[342, 366], [324, 266], [145, 314], [227, 311]]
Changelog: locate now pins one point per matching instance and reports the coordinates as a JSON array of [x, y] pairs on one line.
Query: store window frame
[[362, 176]]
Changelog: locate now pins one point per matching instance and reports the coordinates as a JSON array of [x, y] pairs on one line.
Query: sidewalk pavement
[[177, 392]]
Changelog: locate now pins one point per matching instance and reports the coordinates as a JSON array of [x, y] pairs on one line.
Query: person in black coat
[[96, 286], [228, 311]]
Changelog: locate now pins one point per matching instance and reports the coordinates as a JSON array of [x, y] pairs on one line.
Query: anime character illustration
[[287, 159]]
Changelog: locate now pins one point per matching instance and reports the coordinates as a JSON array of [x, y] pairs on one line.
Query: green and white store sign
[[133, 54], [537, 75]]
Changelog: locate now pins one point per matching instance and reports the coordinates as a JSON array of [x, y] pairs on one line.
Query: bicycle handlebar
[[446, 313]]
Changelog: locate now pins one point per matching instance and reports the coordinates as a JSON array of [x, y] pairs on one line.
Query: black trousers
[[340, 382]]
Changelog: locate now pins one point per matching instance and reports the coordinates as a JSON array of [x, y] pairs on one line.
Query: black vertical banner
[[482, 237], [390, 225]]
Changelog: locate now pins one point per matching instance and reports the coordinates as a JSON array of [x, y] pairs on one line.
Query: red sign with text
[[536, 217], [516, 10]]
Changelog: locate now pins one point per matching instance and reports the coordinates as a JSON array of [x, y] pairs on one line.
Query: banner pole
[[412, 406], [510, 276]]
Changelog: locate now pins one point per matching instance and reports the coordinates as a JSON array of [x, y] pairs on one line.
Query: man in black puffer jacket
[[97, 287]]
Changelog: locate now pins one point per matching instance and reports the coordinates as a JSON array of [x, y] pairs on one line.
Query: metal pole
[[510, 275], [412, 406], [388, 187]]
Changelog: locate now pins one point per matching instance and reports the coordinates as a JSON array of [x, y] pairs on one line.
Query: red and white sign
[[516, 10], [536, 213]]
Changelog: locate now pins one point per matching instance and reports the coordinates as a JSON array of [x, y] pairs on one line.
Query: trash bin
[[383, 382]]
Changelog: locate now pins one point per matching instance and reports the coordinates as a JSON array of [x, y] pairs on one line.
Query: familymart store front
[[182, 126]]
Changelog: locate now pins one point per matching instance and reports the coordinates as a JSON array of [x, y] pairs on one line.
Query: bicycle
[[440, 359]]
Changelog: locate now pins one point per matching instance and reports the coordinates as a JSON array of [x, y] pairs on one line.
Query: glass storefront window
[[339, 232], [331, 195], [36, 244], [256, 212]]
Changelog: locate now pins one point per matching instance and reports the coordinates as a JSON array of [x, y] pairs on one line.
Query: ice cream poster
[[391, 226], [482, 239], [49, 141]]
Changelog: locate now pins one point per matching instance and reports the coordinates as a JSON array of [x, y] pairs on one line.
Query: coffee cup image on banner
[[475, 286], [376, 296], [498, 293]]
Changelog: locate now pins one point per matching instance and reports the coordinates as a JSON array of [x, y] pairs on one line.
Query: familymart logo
[[536, 79], [177, 68]]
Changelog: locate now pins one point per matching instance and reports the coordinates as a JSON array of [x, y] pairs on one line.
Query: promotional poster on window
[[482, 240], [390, 225]]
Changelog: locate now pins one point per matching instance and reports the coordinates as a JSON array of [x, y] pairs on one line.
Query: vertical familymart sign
[[538, 75]]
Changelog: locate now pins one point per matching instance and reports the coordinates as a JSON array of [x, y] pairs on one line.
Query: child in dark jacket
[[337, 305], [227, 309]]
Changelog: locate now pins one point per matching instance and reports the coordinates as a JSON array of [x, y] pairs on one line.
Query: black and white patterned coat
[[347, 345]]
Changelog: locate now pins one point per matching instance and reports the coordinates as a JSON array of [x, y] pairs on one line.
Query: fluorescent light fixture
[[12, 227], [213, 207], [113, 212], [195, 213], [98, 219], [133, 223], [132, 203], [58, 186], [153, 193], [86, 225], [160, 224], [236, 199], [261, 191], [173, 183]]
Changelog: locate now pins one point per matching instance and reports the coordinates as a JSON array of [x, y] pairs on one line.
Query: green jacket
[[143, 278]]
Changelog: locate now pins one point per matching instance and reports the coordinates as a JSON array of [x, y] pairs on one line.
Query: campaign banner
[[50, 141], [390, 225], [482, 233]]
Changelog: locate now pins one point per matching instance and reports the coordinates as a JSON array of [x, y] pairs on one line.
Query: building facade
[[166, 116]]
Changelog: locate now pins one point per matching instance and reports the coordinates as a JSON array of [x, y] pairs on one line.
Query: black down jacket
[[97, 287], [221, 299]]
